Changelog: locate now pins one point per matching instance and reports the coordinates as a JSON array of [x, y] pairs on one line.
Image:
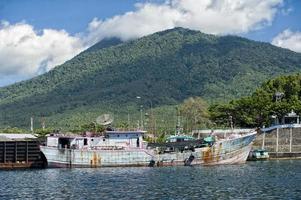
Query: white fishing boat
[[127, 148]]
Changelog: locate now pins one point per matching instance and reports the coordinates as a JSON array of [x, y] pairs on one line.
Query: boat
[[258, 154], [127, 148]]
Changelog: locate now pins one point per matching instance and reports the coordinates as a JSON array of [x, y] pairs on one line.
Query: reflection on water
[[254, 180]]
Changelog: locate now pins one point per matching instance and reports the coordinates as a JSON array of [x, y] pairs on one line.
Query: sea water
[[253, 180]]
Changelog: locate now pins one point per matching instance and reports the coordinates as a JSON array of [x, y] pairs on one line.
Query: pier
[[281, 141]]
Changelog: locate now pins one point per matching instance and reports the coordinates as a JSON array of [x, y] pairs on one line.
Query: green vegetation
[[41, 133], [256, 110], [164, 69], [11, 130], [194, 112]]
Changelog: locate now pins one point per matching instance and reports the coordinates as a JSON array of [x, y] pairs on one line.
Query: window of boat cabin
[[85, 141], [64, 142]]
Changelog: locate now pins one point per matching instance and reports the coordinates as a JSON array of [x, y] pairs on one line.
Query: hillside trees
[[168, 67], [275, 97], [194, 112]]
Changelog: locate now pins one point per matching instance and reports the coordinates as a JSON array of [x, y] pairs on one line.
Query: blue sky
[[288, 17], [38, 35], [71, 15]]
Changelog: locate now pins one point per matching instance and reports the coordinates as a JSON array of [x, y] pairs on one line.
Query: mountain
[[105, 43], [163, 68]]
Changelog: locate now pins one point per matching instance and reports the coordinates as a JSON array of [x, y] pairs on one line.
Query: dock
[[281, 141]]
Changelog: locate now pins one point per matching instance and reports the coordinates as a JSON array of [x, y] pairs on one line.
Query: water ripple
[[254, 180]]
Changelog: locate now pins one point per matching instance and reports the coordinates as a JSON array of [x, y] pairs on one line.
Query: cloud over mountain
[[26, 52], [288, 39], [209, 16]]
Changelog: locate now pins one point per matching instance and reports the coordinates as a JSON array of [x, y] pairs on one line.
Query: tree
[[195, 113], [12, 130], [92, 127], [41, 133], [255, 110]]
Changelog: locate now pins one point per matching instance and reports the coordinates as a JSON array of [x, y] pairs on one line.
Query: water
[[254, 180]]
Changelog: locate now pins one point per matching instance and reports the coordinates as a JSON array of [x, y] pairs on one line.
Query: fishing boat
[[127, 148]]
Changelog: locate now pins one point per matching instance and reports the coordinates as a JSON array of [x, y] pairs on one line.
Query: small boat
[[258, 154], [127, 148]]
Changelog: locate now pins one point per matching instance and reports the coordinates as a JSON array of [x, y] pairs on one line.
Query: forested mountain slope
[[164, 68]]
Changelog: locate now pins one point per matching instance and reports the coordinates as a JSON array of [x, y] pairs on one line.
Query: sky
[[38, 35]]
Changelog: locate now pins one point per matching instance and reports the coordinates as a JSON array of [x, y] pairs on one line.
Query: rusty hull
[[231, 151]]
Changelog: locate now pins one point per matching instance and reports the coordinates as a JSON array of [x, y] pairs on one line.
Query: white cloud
[[286, 11], [209, 16], [288, 39], [27, 52]]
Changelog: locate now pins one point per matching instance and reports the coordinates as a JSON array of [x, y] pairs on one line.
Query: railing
[[107, 148], [281, 126], [208, 131]]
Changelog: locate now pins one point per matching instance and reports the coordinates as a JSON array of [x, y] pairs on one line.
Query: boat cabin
[[125, 138], [122, 139]]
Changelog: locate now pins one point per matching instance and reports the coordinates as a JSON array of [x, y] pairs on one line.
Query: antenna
[[105, 119], [31, 124]]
